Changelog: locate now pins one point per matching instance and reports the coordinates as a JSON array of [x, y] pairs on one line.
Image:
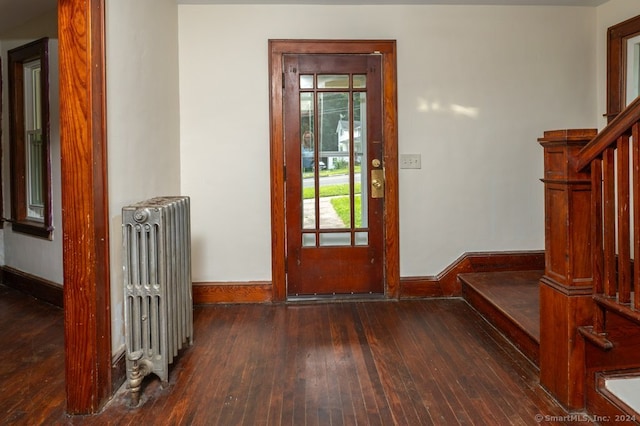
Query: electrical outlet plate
[[410, 161]]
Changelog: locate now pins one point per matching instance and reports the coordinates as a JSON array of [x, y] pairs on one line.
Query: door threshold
[[338, 297]]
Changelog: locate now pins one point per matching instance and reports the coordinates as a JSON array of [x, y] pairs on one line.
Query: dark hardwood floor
[[31, 360], [369, 363]]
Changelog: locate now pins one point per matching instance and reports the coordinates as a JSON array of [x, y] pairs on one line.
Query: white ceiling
[[17, 12]]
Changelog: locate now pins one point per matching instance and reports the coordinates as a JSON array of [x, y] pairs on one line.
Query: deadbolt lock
[[377, 183], [375, 162]]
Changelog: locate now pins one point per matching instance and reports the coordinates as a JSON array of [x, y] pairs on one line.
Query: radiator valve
[[139, 369]]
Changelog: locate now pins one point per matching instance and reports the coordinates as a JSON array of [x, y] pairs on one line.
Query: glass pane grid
[[334, 203]]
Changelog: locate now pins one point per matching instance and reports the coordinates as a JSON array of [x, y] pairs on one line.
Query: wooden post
[[566, 287], [85, 218]]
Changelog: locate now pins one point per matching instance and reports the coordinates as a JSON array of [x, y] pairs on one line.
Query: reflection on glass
[[633, 68], [335, 148], [362, 238], [309, 209], [335, 239], [306, 81], [359, 81], [308, 240], [334, 171], [360, 157], [333, 81], [307, 154]]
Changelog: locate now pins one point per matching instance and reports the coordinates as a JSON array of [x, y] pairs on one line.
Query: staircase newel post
[[566, 287]]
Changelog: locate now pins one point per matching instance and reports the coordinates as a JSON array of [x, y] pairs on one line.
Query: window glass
[[29, 141]]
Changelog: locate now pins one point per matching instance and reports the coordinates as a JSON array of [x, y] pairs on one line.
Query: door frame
[[387, 48]]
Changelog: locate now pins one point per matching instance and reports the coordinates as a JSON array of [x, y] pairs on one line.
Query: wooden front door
[[334, 182]]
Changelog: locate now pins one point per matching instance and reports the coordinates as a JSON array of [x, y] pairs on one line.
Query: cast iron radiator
[[158, 308]]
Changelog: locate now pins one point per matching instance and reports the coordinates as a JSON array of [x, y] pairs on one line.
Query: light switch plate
[[410, 161]]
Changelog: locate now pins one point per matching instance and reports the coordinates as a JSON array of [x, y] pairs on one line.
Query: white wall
[[143, 119], [514, 71], [611, 13], [35, 256]]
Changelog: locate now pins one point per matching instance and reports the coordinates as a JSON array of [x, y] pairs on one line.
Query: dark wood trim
[[37, 49], [217, 292], [597, 339], [84, 204], [446, 283], [32, 285], [567, 290], [613, 305], [616, 128], [617, 36], [118, 370], [387, 48]]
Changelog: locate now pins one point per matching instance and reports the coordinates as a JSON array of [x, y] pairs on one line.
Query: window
[[29, 139], [622, 64]]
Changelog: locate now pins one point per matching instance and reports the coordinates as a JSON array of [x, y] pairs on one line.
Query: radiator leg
[[139, 370]]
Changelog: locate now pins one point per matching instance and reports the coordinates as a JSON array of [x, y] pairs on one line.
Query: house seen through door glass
[[333, 180]]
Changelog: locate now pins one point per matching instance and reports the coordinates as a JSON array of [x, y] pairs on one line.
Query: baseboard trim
[[446, 283], [118, 371], [205, 293], [37, 287]]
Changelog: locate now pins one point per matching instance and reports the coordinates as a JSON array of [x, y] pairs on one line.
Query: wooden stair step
[[510, 301]]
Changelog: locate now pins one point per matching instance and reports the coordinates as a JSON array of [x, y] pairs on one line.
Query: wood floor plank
[[347, 384], [391, 366], [416, 362]]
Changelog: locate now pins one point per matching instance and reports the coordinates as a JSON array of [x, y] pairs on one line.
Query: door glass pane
[[360, 159], [335, 147], [308, 240], [335, 239], [307, 153], [359, 81], [306, 81], [362, 238], [340, 81], [334, 160]]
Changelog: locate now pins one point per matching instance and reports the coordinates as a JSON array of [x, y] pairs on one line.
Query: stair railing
[[613, 157]]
